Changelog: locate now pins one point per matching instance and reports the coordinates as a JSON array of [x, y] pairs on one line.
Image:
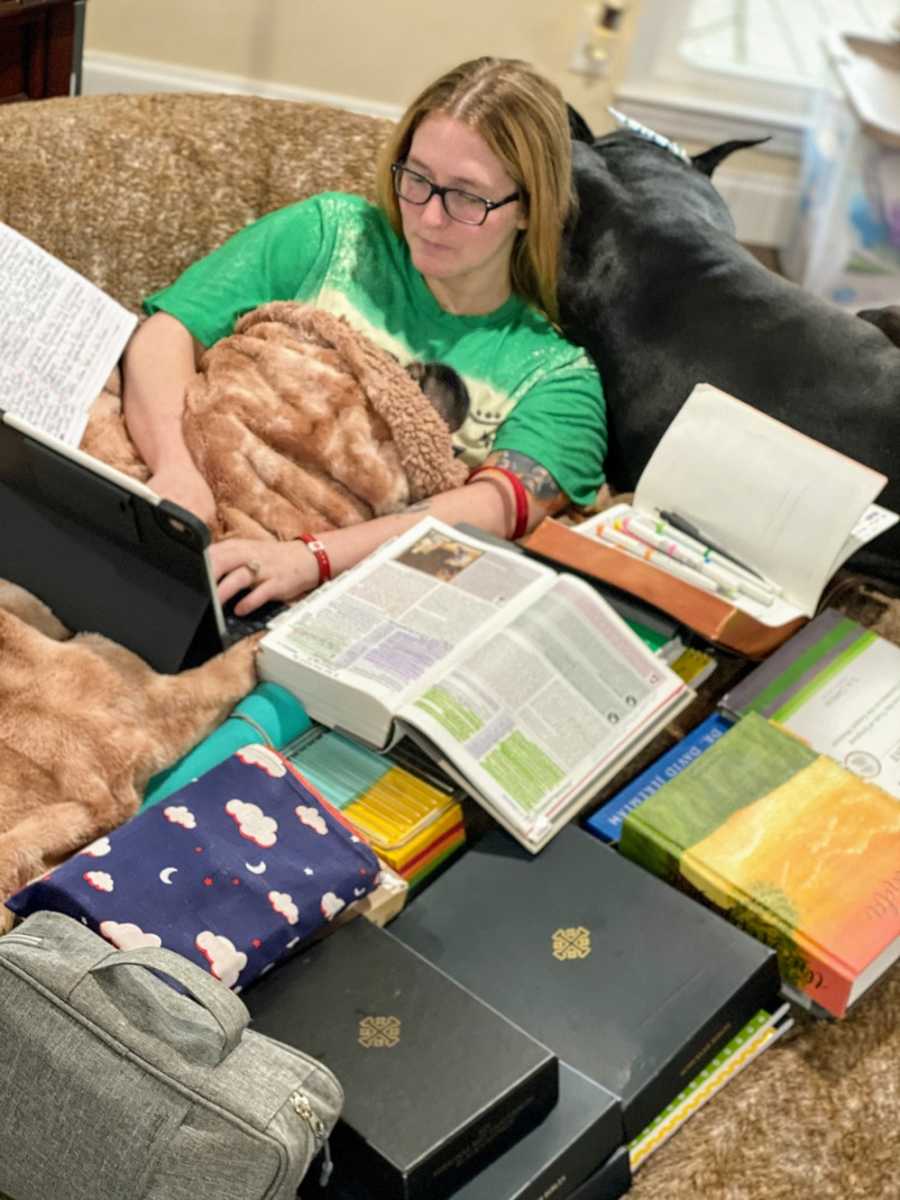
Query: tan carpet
[[818, 1115]]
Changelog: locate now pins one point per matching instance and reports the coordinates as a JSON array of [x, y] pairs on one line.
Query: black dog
[[659, 292]]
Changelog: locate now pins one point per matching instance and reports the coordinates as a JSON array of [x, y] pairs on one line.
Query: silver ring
[[254, 566]]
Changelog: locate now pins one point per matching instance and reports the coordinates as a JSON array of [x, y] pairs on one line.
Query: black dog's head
[[643, 203], [635, 170]]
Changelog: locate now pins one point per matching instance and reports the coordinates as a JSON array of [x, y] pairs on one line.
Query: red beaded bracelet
[[519, 494], [321, 555]]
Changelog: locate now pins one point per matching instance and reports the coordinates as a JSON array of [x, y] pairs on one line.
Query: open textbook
[[521, 682], [731, 529], [60, 336], [753, 486]]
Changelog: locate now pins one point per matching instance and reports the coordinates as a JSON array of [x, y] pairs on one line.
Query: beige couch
[[129, 190]]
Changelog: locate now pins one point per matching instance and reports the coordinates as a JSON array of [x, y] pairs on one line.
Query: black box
[[628, 979], [554, 1160], [437, 1084], [610, 1182], [584, 1129]]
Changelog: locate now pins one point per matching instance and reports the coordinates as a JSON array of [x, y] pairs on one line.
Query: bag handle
[[227, 1010]]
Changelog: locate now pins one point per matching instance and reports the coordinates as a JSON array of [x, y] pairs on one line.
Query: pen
[[653, 535], [648, 536], [670, 565], [727, 577], [694, 538]]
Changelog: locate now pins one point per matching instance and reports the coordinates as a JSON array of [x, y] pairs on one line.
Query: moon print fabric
[[231, 871]]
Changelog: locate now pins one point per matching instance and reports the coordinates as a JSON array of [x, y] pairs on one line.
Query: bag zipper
[[301, 1105]]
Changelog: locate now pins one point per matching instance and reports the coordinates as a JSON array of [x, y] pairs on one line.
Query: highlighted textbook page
[[524, 684], [372, 640], [535, 716]]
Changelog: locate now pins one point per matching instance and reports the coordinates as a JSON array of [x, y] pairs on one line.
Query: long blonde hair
[[522, 118]]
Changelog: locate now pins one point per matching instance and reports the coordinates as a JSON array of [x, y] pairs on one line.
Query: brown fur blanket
[[299, 424], [84, 724]]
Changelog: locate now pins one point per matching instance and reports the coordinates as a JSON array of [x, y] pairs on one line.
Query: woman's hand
[[271, 570], [287, 570]]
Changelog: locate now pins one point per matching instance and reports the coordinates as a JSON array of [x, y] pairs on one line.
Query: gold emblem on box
[[574, 942], [379, 1033]]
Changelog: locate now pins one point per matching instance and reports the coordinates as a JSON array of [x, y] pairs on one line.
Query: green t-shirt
[[530, 390]]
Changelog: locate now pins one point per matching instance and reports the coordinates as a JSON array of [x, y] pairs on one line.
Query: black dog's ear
[[886, 319], [710, 159], [578, 127]]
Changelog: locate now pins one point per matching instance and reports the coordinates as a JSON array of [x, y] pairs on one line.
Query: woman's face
[[450, 154]]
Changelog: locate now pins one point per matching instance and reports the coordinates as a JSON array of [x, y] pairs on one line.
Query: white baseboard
[[104, 73]]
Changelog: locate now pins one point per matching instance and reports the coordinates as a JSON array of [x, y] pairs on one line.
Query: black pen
[[686, 526]]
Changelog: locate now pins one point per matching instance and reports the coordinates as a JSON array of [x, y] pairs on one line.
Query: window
[[710, 69], [771, 40]]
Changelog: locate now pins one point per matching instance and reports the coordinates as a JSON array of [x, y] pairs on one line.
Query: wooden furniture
[[37, 48]]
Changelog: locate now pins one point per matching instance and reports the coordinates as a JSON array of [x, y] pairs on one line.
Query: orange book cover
[[790, 846], [716, 618]]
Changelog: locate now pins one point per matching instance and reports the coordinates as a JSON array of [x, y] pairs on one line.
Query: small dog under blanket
[[299, 424], [84, 724]]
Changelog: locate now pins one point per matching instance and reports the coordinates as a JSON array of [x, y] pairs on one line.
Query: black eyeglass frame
[[397, 170]]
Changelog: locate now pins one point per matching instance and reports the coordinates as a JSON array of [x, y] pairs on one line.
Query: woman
[[458, 263]]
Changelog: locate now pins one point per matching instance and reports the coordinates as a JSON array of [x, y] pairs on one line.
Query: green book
[[836, 685], [746, 763], [790, 846], [747, 1044]]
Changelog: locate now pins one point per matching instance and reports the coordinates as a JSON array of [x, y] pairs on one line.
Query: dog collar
[[650, 134]]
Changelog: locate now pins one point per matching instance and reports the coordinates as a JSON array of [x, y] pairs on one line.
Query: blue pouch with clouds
[[232, 871]]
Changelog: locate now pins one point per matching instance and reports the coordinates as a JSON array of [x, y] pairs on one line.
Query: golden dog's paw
[[32, 611]]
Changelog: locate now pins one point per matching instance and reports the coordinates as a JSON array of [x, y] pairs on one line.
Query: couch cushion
[[129, 190]]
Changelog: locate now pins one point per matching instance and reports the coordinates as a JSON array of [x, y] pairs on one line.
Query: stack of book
[[651, 996], [414, 823], [529, 1026], [437, 1084], [789, 845], [788, 821], [836, 685]]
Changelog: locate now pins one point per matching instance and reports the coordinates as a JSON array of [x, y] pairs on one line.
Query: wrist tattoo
[[537, 479], [419, 506]]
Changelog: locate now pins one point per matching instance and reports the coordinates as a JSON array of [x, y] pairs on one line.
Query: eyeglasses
[[460, 206]]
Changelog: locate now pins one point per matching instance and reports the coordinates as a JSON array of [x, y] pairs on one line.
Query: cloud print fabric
[[233, 871]]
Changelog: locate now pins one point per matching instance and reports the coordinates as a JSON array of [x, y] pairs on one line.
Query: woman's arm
[[285, 570], [159, 362]]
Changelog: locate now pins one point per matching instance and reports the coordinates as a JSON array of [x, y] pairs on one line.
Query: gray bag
[[117, 1087]]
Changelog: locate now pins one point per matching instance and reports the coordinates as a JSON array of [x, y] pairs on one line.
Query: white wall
[[377, 53]]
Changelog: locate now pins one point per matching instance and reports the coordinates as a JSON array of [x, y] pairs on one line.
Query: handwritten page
[[60, 336]]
